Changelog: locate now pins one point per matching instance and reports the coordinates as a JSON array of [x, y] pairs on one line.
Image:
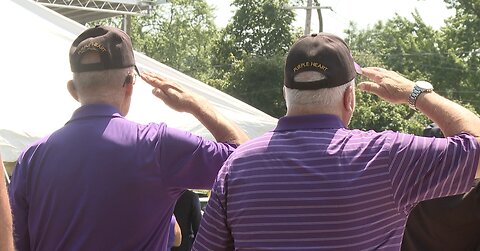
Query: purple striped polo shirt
[[312, 184]]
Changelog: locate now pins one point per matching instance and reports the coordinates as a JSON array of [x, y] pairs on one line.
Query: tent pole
[[5, 173]]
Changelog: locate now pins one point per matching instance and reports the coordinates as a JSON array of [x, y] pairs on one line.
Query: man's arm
[[182, 100], [214, 234], [6, 236], [452, 118]]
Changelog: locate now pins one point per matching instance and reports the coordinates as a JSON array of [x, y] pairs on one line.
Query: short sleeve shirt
[[103, 182], [312, 184]]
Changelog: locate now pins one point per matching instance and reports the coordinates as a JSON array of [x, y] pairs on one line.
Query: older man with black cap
[[314, 184], [103, 182]]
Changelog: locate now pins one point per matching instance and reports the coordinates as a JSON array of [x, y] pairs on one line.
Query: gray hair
[[96, 80], [326, 97]]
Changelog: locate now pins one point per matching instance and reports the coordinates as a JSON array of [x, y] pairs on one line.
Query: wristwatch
[[420, 87]]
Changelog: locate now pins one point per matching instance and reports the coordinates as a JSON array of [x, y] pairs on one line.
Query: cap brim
[[136, 69], [358, 68]]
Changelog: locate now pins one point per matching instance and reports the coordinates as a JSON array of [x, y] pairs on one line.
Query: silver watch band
[[419, 88]]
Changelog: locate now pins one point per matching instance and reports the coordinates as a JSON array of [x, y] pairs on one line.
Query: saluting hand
[[171, 93], [388, 85]]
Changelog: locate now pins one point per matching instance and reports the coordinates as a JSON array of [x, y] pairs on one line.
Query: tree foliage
[[258, 81], [246, 58], [259, 27], [179, 34], [373, 113], [249, 55], [462, 41], [419, 52]]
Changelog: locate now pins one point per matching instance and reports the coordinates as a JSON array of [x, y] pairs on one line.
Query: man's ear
[[73, 91], [129, 80], [129, 88], [349, 99]]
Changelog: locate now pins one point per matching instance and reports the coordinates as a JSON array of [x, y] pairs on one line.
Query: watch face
[[424, 85]]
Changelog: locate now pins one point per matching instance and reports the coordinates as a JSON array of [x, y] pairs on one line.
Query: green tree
[[461, 40], [409, 47], [417, 51], [259, 27], [249, 54], [179, 34], [373, 113], [258, 81], [400, 45]]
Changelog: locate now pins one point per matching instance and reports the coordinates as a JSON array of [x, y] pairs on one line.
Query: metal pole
[[320, 19], [124, 23], [308, 18], [5, 173], [94, 9], [128, 26], [309, 14]]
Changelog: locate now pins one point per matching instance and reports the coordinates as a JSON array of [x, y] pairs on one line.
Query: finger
[[159, 94], [372, 72], [379, 69], [145, 74], [151, 81], [155, 81], [168, 86], [376, 75], [152, 76], [370, 87]]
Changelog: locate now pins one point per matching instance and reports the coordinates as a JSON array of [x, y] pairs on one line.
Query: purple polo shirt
[[103, 182], [312, 184]]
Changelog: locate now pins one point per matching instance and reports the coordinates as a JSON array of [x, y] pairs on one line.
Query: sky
[[364, 13]]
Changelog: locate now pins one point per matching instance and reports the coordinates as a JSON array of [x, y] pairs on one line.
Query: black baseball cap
[[324, 53], [112, 44]]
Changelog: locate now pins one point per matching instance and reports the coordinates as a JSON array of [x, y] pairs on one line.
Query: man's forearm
[[451, 117], [182, 100], [221, 128]]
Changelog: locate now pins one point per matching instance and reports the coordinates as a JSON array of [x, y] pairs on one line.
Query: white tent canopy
[[34, 100]]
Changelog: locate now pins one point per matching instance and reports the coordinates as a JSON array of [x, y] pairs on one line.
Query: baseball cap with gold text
[[112, 45], [324, 53]]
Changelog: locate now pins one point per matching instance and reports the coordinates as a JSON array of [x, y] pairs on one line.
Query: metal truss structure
[[84, 11]]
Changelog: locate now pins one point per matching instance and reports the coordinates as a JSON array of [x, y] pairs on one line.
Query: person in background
[[449, 223], [6, 236], [314, 184], [188, 213], [103, 182]]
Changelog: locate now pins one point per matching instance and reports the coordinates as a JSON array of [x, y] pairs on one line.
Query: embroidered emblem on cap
[[310, 64], [94, 46]]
